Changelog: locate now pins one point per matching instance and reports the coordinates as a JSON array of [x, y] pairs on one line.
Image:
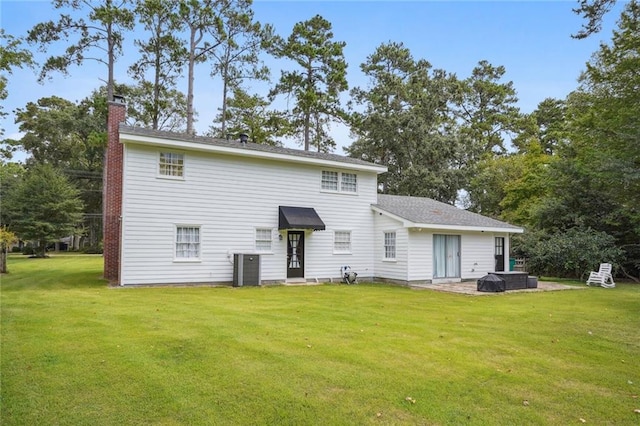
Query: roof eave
[[467, 228], [406, 223], [192, 146]]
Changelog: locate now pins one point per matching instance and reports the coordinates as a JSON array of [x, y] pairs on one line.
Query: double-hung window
[[389, 245], [339, 181], [348, 182], [329, 180], [171, 165], [263, 239], [187, 242], [342, 242]]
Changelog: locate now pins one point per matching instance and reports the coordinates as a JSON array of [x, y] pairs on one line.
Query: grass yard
[[76, 352]]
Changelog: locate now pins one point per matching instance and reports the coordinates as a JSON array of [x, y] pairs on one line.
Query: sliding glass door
[[446, 256]]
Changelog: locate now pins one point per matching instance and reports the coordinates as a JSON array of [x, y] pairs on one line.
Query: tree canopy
[[12, 55], [43, 206], [316, 84], [404, 124], [160, 105], [100, 31]]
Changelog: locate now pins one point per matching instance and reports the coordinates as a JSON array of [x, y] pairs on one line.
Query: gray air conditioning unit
[[246, 270]]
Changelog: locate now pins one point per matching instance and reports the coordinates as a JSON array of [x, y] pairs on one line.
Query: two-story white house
[[179, 208]]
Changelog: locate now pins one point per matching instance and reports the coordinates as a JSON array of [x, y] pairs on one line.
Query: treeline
[[568, 172]]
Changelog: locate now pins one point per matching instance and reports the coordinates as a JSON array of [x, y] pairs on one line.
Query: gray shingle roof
[[204, 140], [420, 210]]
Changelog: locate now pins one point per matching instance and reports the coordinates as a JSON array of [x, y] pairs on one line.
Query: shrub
[[29, 250], [570, 254], [92, 250]]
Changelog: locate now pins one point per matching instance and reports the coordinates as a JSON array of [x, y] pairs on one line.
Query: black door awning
[[299, 218]]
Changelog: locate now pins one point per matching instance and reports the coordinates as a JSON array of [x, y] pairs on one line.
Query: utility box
[[246, 269]]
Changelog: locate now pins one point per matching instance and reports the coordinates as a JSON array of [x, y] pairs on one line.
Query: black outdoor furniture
[[514, 280], [491, 284]]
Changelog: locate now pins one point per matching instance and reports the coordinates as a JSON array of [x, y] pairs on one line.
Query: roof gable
[[424, 212]]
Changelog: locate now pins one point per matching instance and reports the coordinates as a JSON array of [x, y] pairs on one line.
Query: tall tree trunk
[[110, 58], [225, 88], [42, 249], [156, 94], [3, 259], [307, 124], [308, 108], [192, 64], [318, 130]]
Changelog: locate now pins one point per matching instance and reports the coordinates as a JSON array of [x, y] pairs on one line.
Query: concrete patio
[[471, 288]]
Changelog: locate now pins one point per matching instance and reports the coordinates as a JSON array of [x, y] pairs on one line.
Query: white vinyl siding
[[476, 255], [230, 197], [171, 165], [187, 242], [420, 255], [342, 242], [476, 260], [390, 246], [395, 269], [263, 239]]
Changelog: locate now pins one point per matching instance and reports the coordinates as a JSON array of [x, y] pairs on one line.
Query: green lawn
[[77, 352]]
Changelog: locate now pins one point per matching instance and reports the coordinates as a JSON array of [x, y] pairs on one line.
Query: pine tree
[[317, 83]]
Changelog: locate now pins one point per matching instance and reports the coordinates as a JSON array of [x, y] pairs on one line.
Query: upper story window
[[263, 239], [339, 182], [187, 242], [349, 182], [342, 242], [329, 180], [171, 165], [390, 245]]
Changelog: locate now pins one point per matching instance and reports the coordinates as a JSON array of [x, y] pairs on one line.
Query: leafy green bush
[[28, 250], [92, 250], [571, 254]]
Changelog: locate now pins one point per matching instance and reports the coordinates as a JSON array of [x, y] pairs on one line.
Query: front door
[[499, 254], [295, 254]]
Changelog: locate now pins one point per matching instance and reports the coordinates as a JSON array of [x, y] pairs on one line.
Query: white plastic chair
[[603, 277]]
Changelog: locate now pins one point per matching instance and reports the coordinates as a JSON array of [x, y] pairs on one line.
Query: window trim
[[159, 175], [255, 239], [337, 181], [347, 232], [395, 246], [178, 259], [340, 182]]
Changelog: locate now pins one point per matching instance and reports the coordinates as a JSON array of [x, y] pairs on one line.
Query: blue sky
[[532, 40]]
